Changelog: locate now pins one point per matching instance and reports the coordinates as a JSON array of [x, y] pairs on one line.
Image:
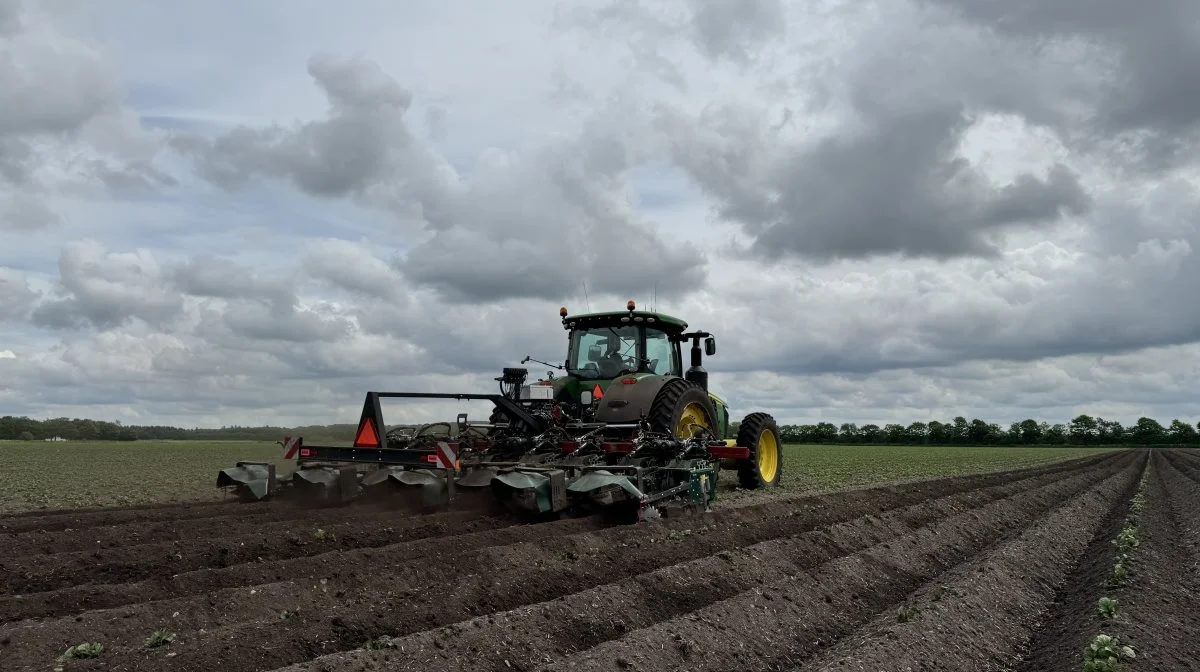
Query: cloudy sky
[[245, 213]]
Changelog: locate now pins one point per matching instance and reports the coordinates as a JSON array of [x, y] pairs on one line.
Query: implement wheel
[[760, 434], [679, 406]]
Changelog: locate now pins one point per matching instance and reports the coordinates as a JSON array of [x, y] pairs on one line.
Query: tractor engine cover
[[628, 403]]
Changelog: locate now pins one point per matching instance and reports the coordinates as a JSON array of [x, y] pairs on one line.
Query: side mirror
[[710, 346], [585, 397], [462, 422], [595, 352]]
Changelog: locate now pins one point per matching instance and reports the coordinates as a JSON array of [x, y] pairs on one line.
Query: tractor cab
[[604, 346], [641, 350]]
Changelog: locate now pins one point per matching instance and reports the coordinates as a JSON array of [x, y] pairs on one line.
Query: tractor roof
[[664, 322]]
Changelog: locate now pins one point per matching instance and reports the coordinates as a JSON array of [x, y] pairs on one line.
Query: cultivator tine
[[529, 491], [250, 481], [602, 488], [418, 489], [326, 485]]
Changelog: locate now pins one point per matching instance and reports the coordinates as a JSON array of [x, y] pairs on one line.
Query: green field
[[40, 475], [820, 467]]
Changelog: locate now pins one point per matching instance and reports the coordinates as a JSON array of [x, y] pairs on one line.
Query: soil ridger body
[[626, 429]]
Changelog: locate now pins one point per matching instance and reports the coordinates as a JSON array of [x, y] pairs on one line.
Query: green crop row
[[1105, 652]]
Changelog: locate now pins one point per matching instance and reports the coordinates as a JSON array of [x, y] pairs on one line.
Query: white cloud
[[885, 212]]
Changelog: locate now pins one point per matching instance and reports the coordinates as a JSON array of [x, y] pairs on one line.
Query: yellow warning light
[[631, 305], [562, 311]]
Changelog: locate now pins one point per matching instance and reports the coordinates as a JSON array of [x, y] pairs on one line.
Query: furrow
[[117, 516], [824, 508], [497, 579], [125, 535], [1158, 607], [991, 602], [139, 562], [1071, 622], [215, 597], [533, 634], [778, 624]]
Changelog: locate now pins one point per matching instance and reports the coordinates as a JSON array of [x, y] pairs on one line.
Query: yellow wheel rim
[[693, 414], [768, 456]]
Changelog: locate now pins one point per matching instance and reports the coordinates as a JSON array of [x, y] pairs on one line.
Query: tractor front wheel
[[760, 434]]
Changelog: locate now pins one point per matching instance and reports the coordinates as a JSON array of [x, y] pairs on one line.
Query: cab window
[[660, 354]]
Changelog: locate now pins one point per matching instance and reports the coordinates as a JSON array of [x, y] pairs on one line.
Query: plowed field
[[989, 572]]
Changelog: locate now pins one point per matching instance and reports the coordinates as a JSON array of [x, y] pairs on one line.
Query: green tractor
[[625, 427], [626, 366]]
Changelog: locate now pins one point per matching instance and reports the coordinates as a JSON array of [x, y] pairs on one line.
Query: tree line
[[1082, 430], [78, 429]]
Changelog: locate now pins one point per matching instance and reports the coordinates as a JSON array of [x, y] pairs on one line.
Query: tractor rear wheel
[[760, 434], [680, 405]]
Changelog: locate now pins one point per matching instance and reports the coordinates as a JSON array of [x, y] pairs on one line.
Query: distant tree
[[978, 432], [958, 433], [918, 432], [1148, 431], [870, 433], [1181, 432], [1031, 431], [1084, 430], [848, 433], [1056, 435], [896, 433]]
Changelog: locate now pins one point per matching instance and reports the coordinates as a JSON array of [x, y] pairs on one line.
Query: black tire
[[672, 399], [753, 427]]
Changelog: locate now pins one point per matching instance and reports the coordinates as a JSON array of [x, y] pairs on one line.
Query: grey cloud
[[897, 186], [722, 30], [84, 86], [506, 233], [63, 124], [435, 123], [1121, 387], [567, 226], [356, 269], [364, 142], [254, 321], [24, 212], [221, 278], [16, 296], [901, 188], [736, 29], [16, 161], [1153, 92], [10, 17], [107, 290], [1021, 307], [1030, 199]]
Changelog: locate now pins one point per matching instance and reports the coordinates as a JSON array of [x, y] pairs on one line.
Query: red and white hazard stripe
[[446, 456], [290, 447]]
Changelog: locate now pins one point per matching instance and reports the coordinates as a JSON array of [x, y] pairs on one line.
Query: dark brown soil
[[62, 520], [786, 578], [1160, 606], [540, 633], [783, 624], [242, 542], [1073, 620], [977, 616]]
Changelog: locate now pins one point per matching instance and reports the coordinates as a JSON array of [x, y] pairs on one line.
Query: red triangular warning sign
[[597, 393], [367, 436]]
